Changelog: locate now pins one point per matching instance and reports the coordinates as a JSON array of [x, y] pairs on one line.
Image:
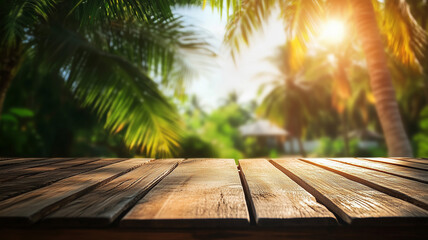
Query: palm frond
[[296, 97], [272, 107], [165, 48], [17, 15], [245, 20], [301, 18], [109, 52], [101, 11], [93, 12], [404, 37], [118, 90]]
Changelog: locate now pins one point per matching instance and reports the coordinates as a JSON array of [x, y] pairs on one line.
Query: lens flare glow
[[333, 31]]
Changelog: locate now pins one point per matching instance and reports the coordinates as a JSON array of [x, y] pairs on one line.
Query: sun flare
[[333, 31]]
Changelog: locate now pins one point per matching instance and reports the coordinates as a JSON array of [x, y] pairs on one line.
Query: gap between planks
[[276, 200], [41, 179], [411, 191], [415, 160], [372, 206], [28, 208], [398, 162], [412, 174], [247, 194], [198, 193], [105, 204]]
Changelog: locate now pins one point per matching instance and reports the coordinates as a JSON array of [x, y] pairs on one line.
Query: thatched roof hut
[[262, 128]]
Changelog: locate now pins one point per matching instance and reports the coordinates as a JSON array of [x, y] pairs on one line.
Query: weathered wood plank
[[63, 164], [198, 193], [28, 162], [405, 189], [277, 200], [29, 207], [415, 160], [413, 174], [28, 183], [12, 161], [103, 205], [56, 165], [8, 172], [397, 162], [4, 160], [355, 203]]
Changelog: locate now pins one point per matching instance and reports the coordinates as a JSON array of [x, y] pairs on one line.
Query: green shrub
[[421, 139], [193, 146]]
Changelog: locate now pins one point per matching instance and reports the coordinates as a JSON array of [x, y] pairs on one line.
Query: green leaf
[[6, 117], [22, 112]]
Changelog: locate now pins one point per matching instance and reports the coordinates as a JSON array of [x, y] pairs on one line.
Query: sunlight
[[331, 58], [333, 31]]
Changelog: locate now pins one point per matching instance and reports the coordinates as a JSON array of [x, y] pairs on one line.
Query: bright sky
[[211, 88]]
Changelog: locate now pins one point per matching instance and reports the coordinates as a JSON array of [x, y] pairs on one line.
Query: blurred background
[[197, 91]]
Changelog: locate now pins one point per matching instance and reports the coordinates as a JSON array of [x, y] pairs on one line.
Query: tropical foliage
[[69, 65], [293, 101], [107, 53], [404, 37], [216, 133], [50, 122]]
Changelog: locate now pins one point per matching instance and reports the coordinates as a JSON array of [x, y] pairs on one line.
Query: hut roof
[[365, 134], [262, 128]]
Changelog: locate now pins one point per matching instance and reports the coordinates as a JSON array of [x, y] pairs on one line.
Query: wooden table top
[[307, 198]]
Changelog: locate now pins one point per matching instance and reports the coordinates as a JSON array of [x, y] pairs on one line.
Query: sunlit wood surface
[[308, 198]]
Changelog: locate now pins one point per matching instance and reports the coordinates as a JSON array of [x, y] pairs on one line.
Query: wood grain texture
[[103, 205], [25, 184], [279, 201], [29, 207], [405, 189], [355, 203], [12, 161], [416, 160], [413, 174], [22, 163], [401, 163], [57, 165], [62, 164], [198, 193], [10, 172]]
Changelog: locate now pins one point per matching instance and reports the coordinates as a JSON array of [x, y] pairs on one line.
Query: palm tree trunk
[[380, 79], [4, 86], [301, 147], [291, 146], [9, 63], [5, 80], [345, 132]]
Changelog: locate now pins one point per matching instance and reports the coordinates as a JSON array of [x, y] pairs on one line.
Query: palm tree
[[404, 39], [381, 84], [351, 95], [106, 53], [293, 101]]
